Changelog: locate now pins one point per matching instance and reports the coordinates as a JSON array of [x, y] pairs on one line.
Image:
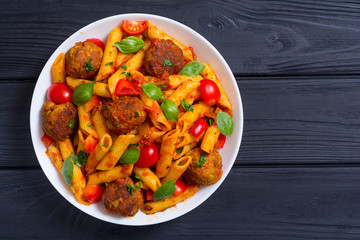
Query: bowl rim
[[40, 154]]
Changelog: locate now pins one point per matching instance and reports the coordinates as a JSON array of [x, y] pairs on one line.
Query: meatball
[[83, 60], [118, 199], [56, 119], [209, 173], [124, 113], [163, 56]]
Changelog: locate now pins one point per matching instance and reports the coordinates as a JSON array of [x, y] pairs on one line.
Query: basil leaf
[[201, 161], [152, 91], [83, 93], [186, 106], [224, 123], [192, 69], [130, 44], [130, 156], [162, 85], [68, 171], [170, 110], [166, 190]]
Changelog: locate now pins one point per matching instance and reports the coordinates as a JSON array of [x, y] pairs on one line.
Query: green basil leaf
[[186, 106], [162, 85], [152, 91], [166, 190], [68, 171], [170, 110], [192, 69], [130, 156], [224, 123], [201, 161], [83, 93], [130, 44]]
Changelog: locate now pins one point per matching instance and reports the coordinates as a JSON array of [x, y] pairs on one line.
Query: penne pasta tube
[[154, 32], [85, 123], [153, 207], [184, 150], [78, 181], [186, 120], [167, 150], [58, 69], [183, 91], [55, 156], [148, 177], [116, 151], [156, 115], [109, 55], [209, 73], [122, 58], [100, 89], [99, 153], [177, 169], [81, 141], [210, 138], [99, 124], [110, 175], [176, 80]]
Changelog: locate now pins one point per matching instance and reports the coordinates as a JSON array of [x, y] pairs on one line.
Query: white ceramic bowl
[[204, 51]]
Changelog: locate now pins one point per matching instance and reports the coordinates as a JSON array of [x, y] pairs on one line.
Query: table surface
[[297, 65]]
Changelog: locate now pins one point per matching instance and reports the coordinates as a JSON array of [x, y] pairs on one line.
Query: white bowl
[[204, 51]]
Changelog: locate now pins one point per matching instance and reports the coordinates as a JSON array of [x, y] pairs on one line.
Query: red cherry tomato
[[47, 140], [199, 127], [125, 87], [149, 195], [93, 192], [90, 144], [97, 42], [210, 92], [134, 27], [221, 141], [148, 156], [59, 93], [180, 187]]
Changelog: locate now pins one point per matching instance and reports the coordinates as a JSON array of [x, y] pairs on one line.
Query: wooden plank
[[253, 203], [287, 121], [256, 37]]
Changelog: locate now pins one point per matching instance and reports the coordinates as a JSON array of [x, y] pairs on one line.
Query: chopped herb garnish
[[103, 144], [104, 107], [201, 161], [133, 145], [111, 148], [180, 163], [179, 150], [124, 67], [186, 106], [90, 126], [80, 159], [162, 85], [138, 177], [130, 189], [167, 62], [109, 63], [126, 74], [72, 123], [88, 66], [211, 121], [137, 114]]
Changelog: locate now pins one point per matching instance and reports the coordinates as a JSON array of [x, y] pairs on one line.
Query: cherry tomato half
[[125, 87], [134, 27], [210, 92], [199, 127], [148, 156], [149, 195], [221, 141], [90, 144], [97, 41], [47, 140], [93, 192], [180, 187], [59, 93]]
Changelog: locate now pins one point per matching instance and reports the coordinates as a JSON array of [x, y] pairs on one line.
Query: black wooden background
[[297, 174]]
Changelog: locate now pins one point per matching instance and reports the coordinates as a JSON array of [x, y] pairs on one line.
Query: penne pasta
[[167, 150], [55, 156], [85, 123], [186, 120], [184, 150], [148, 177], [99, 153], [99, 124], [110, 175], [183, 91], [100, 89], [58, 69], [210, 138], [176, 80], [177, 169]]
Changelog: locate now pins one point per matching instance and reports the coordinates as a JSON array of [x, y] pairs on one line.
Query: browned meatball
[[83, 60], [124, 113], [56, 119], [209, 173], [158, 52], [118, 199]]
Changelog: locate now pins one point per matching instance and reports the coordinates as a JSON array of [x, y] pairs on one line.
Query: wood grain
[[255, 37], [309, 120], [270, 203]]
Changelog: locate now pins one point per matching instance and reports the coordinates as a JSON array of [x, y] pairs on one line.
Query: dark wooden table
[[297, 174]]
